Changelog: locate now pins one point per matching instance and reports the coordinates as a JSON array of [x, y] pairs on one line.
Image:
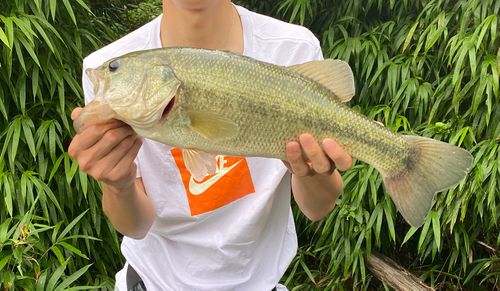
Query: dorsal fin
[[335, 75]]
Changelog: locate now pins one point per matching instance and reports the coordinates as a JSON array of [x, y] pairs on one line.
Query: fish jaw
[[140, 91], [95, 112]]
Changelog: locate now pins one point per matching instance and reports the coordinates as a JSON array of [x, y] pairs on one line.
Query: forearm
[[317, 195], [130, 210]]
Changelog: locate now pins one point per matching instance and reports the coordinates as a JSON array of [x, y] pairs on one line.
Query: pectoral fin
[[199, 163], [335, 75], [211, 125]]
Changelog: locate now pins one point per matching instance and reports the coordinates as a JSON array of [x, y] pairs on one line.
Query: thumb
[[76, 112]]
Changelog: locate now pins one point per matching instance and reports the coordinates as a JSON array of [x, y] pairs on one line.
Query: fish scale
[[207, 101]]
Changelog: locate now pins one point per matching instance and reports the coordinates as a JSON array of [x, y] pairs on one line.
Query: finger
[[288, 166], [94, 133], [114, 167], [296, 161], [111, 140], [339, 156], [76, 112], [90, 158], [320, 162], [125, 169]]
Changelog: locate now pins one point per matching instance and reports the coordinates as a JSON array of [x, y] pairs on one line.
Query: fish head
[[136, 88]]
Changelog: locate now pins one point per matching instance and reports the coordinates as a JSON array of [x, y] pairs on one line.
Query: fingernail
[[329, 145], [292, 149]]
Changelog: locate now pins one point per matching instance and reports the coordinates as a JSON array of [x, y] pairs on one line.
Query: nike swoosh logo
[[198, 188]]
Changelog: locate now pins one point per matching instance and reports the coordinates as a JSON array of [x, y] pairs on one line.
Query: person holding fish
[[232, 229]]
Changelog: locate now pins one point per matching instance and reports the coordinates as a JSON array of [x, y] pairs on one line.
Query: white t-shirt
[[234, 230]]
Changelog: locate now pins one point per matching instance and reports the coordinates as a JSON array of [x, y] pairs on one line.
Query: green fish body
[[206, 101]]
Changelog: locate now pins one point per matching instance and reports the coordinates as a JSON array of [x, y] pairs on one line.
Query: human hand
[[106, 151], [321, 162]]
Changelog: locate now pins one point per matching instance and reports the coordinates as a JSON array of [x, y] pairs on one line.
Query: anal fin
[[199, 163]]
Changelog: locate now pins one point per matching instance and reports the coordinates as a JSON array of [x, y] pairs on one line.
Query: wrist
[[120, 190]]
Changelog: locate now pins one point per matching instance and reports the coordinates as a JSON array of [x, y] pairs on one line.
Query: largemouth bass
[[213, 102]]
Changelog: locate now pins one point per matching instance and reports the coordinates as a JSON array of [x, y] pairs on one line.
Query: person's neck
[[209, 24]]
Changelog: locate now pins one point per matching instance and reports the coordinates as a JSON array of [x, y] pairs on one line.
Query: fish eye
[[114, 65]]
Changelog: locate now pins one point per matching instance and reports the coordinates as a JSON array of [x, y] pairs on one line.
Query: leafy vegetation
[[52, 232], [429, 68], [426, 67]]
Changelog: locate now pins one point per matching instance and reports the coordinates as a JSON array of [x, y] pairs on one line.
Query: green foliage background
[[425, 67]]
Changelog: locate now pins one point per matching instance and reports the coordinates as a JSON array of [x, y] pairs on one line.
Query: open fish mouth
[[167, 109]]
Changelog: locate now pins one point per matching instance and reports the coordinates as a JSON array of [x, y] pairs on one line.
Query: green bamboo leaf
[[73, 84], [40, 283], [368, 241], [292, 273], [49, 26], [25, 29], [28, 135], [390, 222], [59, 255], [360, 240], [55, 231], [45, 189], [56, 167], [433, 37], [29, 49], [84, 182], [308, 272], [7, 141], [82, 3], [409, 234], [41, 31], [409, 36], [436, 228], [52, 141], [378, 226], [80, 236], [21, 85], [34, 82], [472, 61], [62, 104], [459, 59], [40, 134], [483, 264], [378, 72], [53, 9], [9, 29], [4, 39], [16, 128], [73, 249], [348, 255], [4, 261], [423, 234], [19, 53], [72, 278], [376, 212], [70, 11], [55, 277], [38, 5], [2, 105], [71, 225], [362, 268]]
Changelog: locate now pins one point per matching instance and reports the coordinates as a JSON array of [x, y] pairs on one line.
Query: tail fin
[[435, 166]]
